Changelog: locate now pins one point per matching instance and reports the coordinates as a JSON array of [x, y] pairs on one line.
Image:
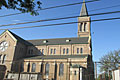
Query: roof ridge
[[19, 38], [57, 38], [84, 11], [56, 56]]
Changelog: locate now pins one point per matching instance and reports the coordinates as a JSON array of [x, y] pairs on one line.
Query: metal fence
[[108, 73], [20, 71]]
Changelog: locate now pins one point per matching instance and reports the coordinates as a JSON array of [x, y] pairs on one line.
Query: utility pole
[[95, 71]]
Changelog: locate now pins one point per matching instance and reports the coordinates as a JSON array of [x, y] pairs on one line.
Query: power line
[[100, 9], [69, 4], [60, 18], [52, 7], [104, 8], [63, 23], [96, 9]]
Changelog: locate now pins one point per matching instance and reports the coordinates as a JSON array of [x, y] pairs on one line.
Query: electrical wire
[[62, 23], [52, 7], [60, 18], [104, 8], [69, 4], [96, 9]]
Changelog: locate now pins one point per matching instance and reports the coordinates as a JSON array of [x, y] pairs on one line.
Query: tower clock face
[[3, 46]]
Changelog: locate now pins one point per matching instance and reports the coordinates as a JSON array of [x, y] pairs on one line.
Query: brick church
[[53, 59]]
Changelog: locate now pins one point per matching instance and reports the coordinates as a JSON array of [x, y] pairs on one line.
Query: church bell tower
[[84, 22]]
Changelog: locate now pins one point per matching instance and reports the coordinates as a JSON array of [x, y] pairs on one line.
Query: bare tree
[[110, 61]]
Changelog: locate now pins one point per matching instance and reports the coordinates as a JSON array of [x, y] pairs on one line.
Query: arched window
[[75, 72], [47, 69], [64, 51], [55, 72], [33, 67], [67, 51], [51, 51], [0, 58], [85, 27], [41, 70], [54, 51], [30, 51], [21, 67], [42, 51], [77, 50], [81, 50], [81, 26], [61, 69], [28, 67], [4, 58]]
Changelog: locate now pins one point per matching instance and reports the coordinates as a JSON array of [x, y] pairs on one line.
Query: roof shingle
[[60, 41], [57, 56]]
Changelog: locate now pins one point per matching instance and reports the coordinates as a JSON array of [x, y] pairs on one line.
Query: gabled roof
[[60, 41], [19, 39], [57, 57], [57, 41], [84, 11]]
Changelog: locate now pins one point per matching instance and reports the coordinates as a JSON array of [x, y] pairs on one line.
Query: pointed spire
[[84, 11]]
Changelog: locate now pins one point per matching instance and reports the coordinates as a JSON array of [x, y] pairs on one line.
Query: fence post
[[113, 74], [69, 69], [95, 71], [19, 66], [89, 76], [109, 75]]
